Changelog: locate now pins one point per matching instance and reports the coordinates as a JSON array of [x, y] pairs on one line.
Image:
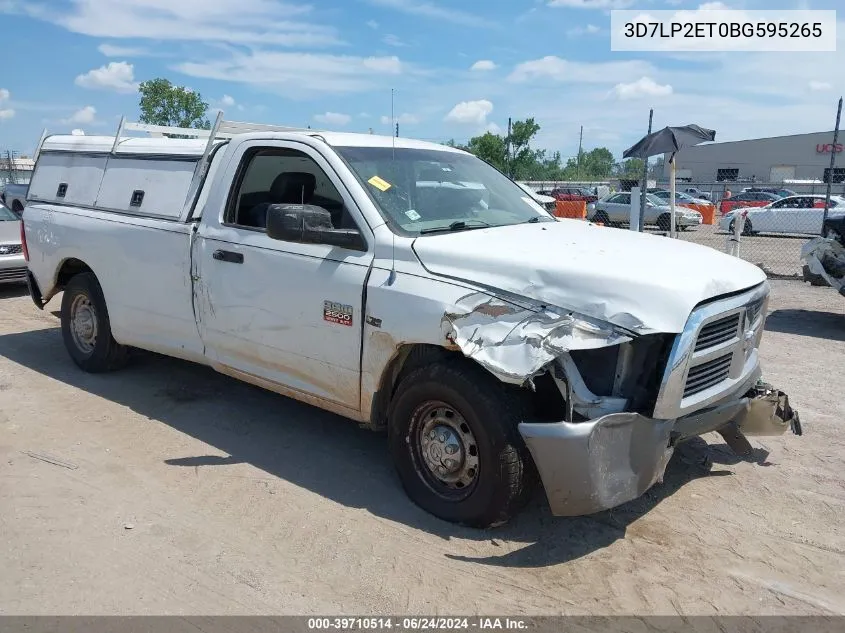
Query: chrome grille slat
[[12, 273], [708, 374], [718, 332]]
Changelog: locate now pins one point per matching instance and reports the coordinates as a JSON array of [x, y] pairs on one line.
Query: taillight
[[23, 243]]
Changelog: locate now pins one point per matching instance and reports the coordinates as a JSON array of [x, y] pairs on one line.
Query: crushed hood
[[641, 282]]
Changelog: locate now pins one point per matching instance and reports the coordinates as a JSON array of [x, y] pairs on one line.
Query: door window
[[282, 176]]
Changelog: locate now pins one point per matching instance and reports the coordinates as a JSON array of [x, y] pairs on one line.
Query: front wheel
[[455, 444], [86, 329], [600, 217], [664, 222]]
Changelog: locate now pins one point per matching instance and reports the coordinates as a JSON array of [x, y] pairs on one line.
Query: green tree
[[489, 147], [163, 103], [631, 168]]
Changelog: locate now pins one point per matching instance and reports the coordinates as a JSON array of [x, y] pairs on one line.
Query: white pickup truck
[[363, 275]]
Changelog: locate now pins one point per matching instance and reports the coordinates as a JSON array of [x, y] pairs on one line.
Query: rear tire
[[747, 229], [664, 222], [454, 440], [86, 329]]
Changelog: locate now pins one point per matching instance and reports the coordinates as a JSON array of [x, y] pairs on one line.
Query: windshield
[[420, 191], [653, 199], [6, 214]]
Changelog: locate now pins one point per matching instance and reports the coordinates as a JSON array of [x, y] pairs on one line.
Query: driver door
[[268, 309]]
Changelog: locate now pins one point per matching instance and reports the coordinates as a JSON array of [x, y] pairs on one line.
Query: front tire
[[664, 222], [455, 444], [86, 329]]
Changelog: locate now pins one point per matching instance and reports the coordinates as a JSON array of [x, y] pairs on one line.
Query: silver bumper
[[591, 466]]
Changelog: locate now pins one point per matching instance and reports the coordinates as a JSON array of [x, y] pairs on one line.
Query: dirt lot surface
[[176, 490]]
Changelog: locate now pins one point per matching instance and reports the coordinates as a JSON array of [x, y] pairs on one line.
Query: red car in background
[[572, 194], [747, 199]]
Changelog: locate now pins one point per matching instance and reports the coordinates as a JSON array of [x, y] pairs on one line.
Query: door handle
[[228, 256]]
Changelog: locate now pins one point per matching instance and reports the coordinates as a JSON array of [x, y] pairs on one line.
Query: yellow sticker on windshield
[[378, 183]]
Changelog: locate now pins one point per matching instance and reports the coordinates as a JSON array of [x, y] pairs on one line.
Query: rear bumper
[[591, 466]]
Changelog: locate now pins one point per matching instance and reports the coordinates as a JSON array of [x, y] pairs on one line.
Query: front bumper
[[12, 269], [689, 221], [591, 466]]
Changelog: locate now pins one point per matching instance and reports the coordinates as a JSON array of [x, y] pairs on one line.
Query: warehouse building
[[801, 157]]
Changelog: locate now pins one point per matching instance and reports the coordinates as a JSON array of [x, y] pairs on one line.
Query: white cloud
[[333, 118], [483, 64], [116, 76], [642, 87], [83, 115], [713, 6], [474, 112], [122, 51], [589, 29], [247, 22], [405, 118], [591, 4], [7, 113], [227, 101], [558, 69], [820, 86], [309, 73], [372, 24], [77, 132], [390, 65], [432, 10], [4, 95], [493, 128], [392, 40]]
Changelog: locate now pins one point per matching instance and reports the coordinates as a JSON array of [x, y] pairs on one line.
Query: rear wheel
[[746, 229], [664, 222], [86, 329], [455, 444]]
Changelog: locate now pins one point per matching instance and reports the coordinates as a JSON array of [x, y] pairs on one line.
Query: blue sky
[[457, 67]]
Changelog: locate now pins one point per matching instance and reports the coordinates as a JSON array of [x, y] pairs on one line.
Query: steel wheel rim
[[83, 324], [444, 449]]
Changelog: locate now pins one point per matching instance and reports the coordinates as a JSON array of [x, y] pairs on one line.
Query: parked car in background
[[680, 198], [574, 194], [795, 214], [14, 197], [547, 202], [12, 262], [616, 209], [778, 191], [747, 199], [697, 193]]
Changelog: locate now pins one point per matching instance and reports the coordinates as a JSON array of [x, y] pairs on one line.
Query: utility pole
[[578, 168], [645, 177], [508, 150], [832, 164]]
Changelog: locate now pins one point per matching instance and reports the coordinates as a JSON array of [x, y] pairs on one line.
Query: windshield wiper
[[460, 225]]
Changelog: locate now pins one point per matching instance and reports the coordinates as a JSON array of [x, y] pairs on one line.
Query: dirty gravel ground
[[243, 502]]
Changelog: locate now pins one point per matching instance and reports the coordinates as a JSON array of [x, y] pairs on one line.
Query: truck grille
[[10, 249], [716, 355], [704, 376], [12, 274], [717, 332]]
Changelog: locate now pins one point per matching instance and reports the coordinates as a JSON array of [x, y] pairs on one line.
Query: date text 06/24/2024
[[415, 623]]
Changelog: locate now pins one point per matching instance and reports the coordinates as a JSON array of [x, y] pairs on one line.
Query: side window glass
[[282, 176]]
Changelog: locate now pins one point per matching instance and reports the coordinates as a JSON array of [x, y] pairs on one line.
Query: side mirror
[[309, 224]]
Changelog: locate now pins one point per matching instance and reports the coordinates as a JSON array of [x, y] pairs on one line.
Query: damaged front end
[[611, 405]]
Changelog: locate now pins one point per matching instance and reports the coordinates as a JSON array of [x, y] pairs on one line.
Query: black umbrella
[[668, 141]]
